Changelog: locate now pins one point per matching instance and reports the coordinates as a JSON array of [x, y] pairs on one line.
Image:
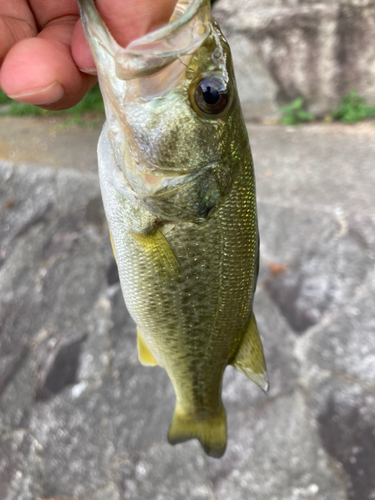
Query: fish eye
[[211, 95]]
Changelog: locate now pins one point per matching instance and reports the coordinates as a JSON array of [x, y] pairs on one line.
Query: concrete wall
[[284, 49]]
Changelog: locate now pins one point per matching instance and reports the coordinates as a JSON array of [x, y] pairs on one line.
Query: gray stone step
[[80, 418]]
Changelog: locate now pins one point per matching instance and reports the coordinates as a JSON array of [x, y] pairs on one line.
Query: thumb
[[126, 20]]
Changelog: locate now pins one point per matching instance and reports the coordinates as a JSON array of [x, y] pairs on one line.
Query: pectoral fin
[[249, 360], [156, 246], [145, 356]]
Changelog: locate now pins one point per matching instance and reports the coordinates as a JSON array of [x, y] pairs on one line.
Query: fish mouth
[[150, 180], [187, 29], [189, 198]]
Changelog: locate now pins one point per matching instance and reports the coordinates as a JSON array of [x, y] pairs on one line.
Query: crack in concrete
[[12, 371]]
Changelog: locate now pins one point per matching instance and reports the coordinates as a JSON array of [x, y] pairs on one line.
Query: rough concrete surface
[[81, 419], [283, 49]]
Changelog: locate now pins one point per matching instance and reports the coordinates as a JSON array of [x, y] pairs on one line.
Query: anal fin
[[112, 245], [249, 359], [145, 356], [211, 432]]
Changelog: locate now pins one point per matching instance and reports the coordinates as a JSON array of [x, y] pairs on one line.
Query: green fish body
[[178, 188]]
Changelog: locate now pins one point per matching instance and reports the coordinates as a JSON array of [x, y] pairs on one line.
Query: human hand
[[44, 57]]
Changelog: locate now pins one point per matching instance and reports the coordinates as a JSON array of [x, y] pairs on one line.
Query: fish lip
[[156, 50], [168, 184], [164, 31], [162, 172], [159, 172], [163, 181]]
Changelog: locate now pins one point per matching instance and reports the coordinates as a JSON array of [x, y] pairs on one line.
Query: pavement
[[81, 419]]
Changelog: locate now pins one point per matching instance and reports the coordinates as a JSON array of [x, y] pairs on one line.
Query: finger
[[127, 20], [81, 52], [50, 11], [130, 20], [41, 70], [16, 23]]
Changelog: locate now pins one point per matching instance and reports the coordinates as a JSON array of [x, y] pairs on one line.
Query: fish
[[178, 188]]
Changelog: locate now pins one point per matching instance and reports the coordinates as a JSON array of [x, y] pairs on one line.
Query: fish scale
[[179, 194]]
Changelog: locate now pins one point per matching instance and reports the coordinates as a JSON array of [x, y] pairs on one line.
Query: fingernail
[[48, 95], [89, 71]]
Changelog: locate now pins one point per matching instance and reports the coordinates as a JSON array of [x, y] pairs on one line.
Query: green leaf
[[293, 113], [91, 102], [353, 108]]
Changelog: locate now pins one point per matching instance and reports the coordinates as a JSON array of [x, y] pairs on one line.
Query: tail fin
[[211, 432]]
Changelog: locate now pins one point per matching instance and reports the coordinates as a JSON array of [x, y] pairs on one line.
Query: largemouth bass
[[178, 188]]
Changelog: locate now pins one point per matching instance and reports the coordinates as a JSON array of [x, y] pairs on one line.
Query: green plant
[[4, 99], [293, 113], [92, 102], [353, 108]]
